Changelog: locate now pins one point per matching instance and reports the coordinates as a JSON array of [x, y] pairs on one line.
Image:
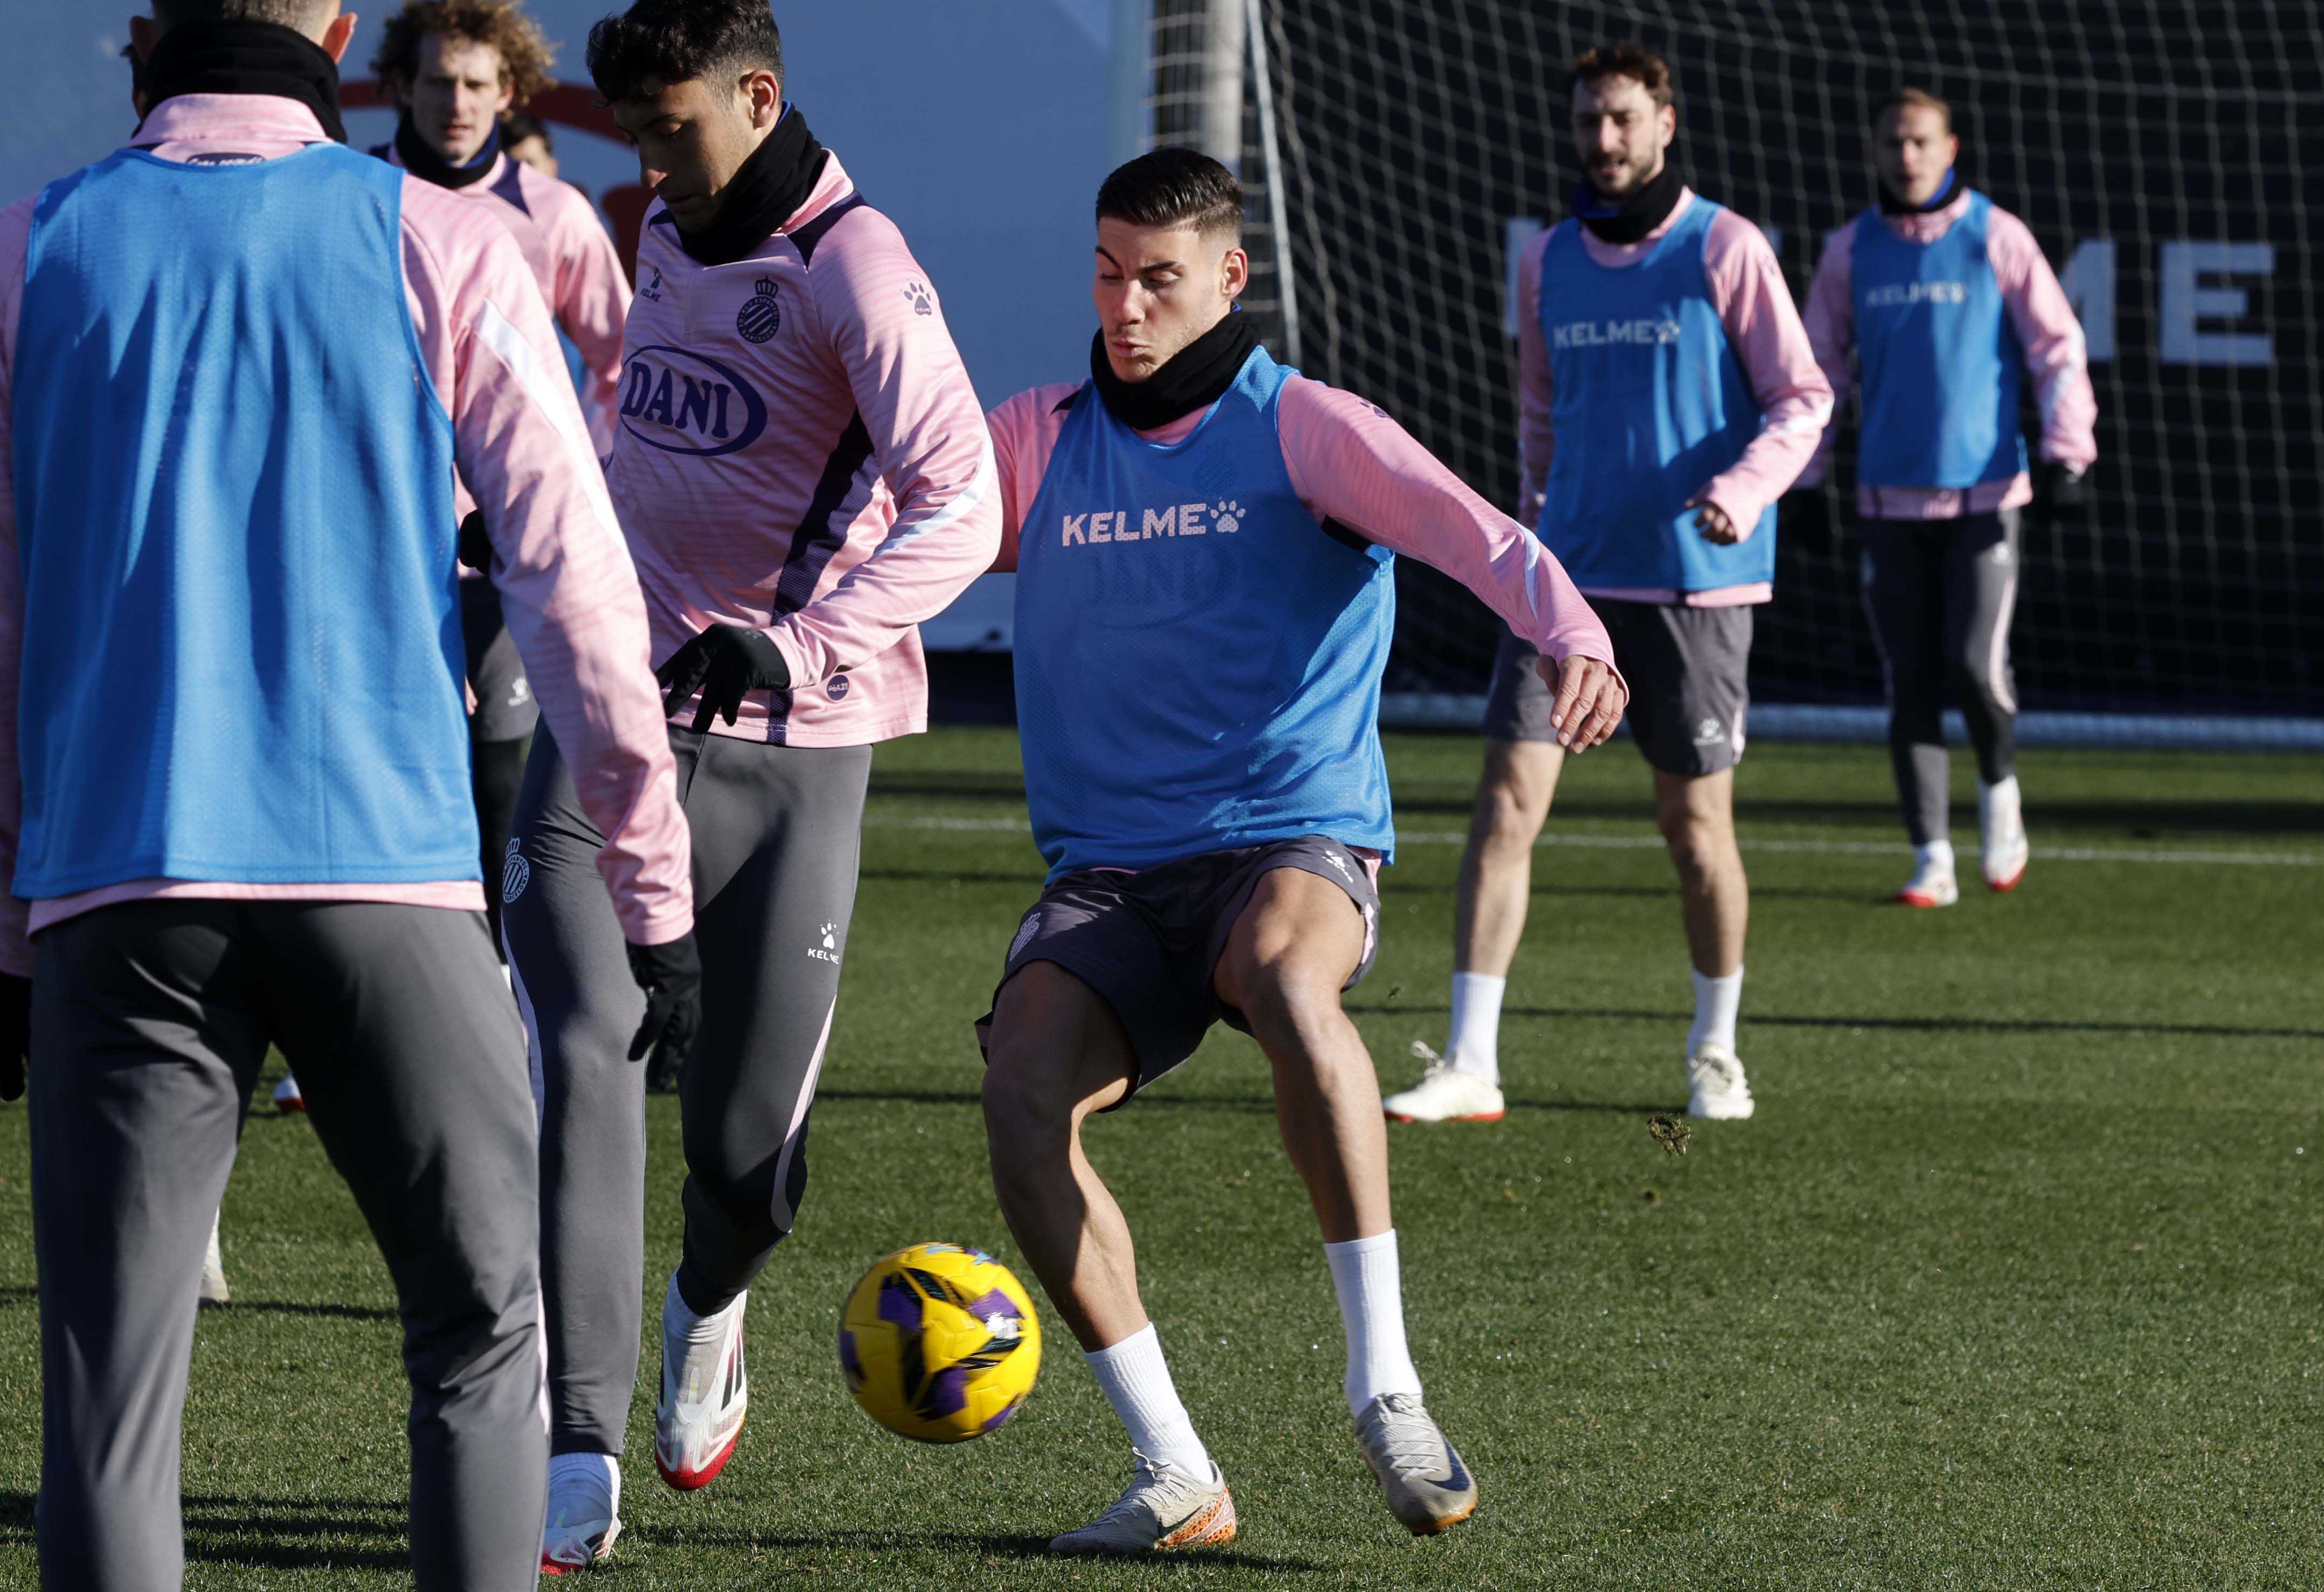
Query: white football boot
[[585, 1513], [1164, 1507], [2003, 849], [1428, 1488], [704, 1391], [1932, 883], [214, 1288], [1715, 1085], [1444, 1094], [286, 1097]]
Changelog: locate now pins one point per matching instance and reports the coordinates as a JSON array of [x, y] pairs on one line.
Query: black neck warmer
[[420, 159], [765, 191], [1192, 378], [1946, 192], [1629, 220], [246, 58]]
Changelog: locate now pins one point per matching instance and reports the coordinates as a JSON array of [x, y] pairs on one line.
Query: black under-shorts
[[1149, 940]]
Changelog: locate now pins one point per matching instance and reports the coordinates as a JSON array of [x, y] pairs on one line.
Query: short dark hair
[[1174, 187], [1629, 58], [301, 14], [519, 125], [1914, 98], [670, 41]]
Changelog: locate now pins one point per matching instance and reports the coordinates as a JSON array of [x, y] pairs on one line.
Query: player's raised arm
[[568, 588], [879, 318], [1355, 466]]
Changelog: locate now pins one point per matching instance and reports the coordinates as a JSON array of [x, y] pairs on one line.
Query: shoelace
[[1167, 1484], [1408, 1438], [1727, 1070], [1437, 1063]]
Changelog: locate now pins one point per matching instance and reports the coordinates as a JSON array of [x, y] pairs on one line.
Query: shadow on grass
[[997, 1545], [256, 1532], [1643, 892], [289, 1307], [1900, 1025], [1256, 1105]]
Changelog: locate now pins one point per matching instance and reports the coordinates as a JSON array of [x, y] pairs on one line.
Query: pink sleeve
[[16, 948], [593, 301], [1536, 436], [881, 318], [1350, 463], [1754, 306], [1831, 320], [568, 588], [2056, 357], [1024, 433]]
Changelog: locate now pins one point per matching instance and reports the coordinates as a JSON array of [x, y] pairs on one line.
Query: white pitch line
[[1647, 842]]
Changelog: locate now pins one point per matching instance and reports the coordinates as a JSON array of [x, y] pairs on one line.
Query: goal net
[[1399, 151]]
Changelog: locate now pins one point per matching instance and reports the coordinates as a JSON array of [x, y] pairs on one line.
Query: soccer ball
[[939, 1343]]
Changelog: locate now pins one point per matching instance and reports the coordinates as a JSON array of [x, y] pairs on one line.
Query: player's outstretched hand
[[15, 1034], [2062, 488], [726, 663], [1712, 521], [1589, 701], [670, 975]]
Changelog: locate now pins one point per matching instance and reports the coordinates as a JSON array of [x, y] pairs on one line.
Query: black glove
[[476, 544], [727, 663], [15, 1034], [671, 976], [2061, 487]]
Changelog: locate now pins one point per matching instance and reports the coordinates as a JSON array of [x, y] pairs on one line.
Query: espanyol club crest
[[761, 316], [515, 873]]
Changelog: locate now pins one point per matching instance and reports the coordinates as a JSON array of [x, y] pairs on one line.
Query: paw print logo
[[916, 295], [829, 930], [1227, 518]]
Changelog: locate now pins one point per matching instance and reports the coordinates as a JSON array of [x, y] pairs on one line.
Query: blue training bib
[[1650, 403], [1198, 662], [1940, 362], [242, 655]]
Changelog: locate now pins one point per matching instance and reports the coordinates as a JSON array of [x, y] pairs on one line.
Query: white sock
[[1371, 1308], [1936, 854], [1716, 1002], [1136, 1383], [1475, 1044], [1998, 812]]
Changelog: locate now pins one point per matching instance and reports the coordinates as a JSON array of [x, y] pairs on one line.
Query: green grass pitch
[[2012, 1283]]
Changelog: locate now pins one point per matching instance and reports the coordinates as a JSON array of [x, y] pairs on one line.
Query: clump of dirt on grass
[[1670, 1133]]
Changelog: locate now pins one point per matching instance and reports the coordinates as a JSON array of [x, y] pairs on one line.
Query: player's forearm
[[946, 535]]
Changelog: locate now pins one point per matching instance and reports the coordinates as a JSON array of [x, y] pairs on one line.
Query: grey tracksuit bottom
[[150, 1021], [777, 832], [1939, 593]]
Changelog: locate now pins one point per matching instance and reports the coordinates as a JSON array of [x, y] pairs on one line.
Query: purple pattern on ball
[[947, 1394], [998, 1421], [899, 1303], [848, 1362], [995, 1303]]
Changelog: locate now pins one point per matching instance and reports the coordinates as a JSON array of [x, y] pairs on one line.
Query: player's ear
[[142, 36], [1234, 273], [338, 34], [764, 96]]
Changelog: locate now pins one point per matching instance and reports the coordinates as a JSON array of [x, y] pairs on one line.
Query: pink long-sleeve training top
[[1754, 306], [567, 589], [1349, 462], [2056, 357], [573, 258], [798, 451]]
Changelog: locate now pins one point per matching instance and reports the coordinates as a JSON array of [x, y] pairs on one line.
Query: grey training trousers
[[777, 832], [150, 1020], [1939, 593]]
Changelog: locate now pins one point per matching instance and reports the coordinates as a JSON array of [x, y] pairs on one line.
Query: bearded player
[[1945, 303], [804, 474], [1666, 398], [1203, 545]]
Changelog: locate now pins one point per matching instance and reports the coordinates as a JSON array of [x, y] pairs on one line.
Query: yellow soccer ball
[[939, 1343]]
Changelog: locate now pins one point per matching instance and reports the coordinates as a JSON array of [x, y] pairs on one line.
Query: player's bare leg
[[1056, 1054], [1697, 817], [1496, 886], [1291, 952]]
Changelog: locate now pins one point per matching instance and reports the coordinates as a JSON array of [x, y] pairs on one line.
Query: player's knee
[[1287, 996], [1029, 1102], [1510, 808]]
